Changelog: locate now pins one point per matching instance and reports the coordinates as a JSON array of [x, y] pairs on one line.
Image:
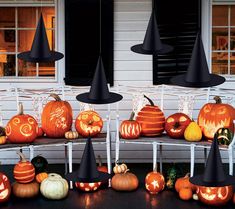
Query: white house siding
[[130, 22]]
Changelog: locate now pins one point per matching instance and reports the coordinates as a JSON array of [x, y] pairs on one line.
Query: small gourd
[[71, 135], [119, 168], [193, 132]]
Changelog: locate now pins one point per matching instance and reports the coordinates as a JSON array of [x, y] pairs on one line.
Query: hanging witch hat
[[40, 50], [198, 75], [152, 43], [87, 171], [99, 92], [214, 175]]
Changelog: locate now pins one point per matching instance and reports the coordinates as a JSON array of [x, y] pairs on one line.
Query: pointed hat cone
[[152, 43], [87, 171], [40, 50], [99, 92], [214, 175], [198, 72]]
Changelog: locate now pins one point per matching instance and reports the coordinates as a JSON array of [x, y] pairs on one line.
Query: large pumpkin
[[130, 129], [5, 188], [151, 119], [24, 171], [22, 128], [154, 182], [215, 196], [25, 190], [57, 117], [214, 116], [176, 125], [88, 123]]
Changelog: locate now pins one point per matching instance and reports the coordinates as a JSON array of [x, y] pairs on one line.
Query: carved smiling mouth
[[4, 194], [208, 196]]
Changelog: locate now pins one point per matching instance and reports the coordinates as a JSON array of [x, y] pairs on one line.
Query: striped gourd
[[151, 119], [24, 171]]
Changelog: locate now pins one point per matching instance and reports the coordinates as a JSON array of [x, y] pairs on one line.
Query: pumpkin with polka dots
[[154, 182], [88, 187]]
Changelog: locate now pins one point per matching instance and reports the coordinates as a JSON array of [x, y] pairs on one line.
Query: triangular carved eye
[[170, 120], [182, 119], [4, 178], [207, 109]]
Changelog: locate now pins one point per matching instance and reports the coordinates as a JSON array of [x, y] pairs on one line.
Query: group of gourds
[[57, 121], [213, 119]]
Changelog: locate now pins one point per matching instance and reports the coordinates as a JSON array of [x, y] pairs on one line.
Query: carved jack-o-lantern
[[176, 124], [154, 182], [214, 116], [215, 196], [88, 187], [88, 123], [5, 188], [22, 128]]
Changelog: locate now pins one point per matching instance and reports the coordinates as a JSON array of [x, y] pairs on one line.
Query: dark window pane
[[219, 15], [233, 15], [7, 17], [27, 17], [7, 40], [220, 63], [25, 39]]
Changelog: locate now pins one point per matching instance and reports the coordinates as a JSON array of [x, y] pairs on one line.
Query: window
[[223, 39], [17, 28]]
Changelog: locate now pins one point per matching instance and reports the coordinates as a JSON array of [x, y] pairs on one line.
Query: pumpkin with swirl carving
[[22, 128]]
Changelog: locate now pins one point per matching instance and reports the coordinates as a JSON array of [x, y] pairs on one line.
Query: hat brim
[[214, 81], [75, 178], [55, 56], [114, 97], [139, 49], [198, 180]]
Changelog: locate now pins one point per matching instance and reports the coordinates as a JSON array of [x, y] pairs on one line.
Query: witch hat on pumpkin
[[99, 92], [40, 50], [152, 43], [87, 171], [198, 75], [214, 175]]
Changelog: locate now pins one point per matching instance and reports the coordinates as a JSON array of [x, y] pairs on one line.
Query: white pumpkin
[[54, 187]]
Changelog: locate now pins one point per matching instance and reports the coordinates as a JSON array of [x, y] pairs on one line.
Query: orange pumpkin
[[151, 119], [130, 129], [22, 128], [88, 123], [41, 176], [154, 182], [5, 188], [214, 116], [215, 196], [184, 182], [185, 194], [57, 117], [24, 171]]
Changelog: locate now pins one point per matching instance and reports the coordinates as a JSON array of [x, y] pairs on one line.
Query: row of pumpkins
[[214, 118], [32, 178]]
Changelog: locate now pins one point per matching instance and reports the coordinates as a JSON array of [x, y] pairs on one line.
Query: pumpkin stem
[[149, 100], [126, 171], [187, 175], [217, 100], [22, 157], [117, 162], [99, 160], [21, 108], [132, 116], [56, 97]]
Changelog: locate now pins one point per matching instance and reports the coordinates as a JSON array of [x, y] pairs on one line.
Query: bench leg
[[65, 159], [192, 153], [160, 157], [154, 155], [205, 155], [31, 152], [230, 156], [70, 153]]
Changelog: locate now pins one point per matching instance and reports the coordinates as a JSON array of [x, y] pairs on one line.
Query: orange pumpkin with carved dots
[[5, 188], [57, 117], [88, 123], [22, 128]]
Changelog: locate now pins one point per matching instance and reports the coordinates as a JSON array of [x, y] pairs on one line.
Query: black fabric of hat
[[198, 75], [99, 92], [40, 50], [214, 175], [152, 43], [87, 172]]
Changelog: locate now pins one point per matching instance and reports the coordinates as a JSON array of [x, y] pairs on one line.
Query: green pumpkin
[[224, 136], [40, 164]]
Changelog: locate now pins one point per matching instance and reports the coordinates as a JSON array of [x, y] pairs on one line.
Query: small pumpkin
[[130, 129], [213, 116], [41, 176], [154, 182], [224, 136], [215, 196], [25, 190], [151, 119], [22, 128], [193, 132], [71, 135], [57, 117], [88, 123], [2, 136], [126, 181], [101, 167], [185, 194], [183, 182], [119, 168], [5, 188], [40, 164], [54, 187], [24, 171]]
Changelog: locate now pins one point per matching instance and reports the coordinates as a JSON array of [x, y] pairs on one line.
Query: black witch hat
[[99, 92], [40, 50], [198, 75], [152, 43], [214, 175], [87, 172]]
